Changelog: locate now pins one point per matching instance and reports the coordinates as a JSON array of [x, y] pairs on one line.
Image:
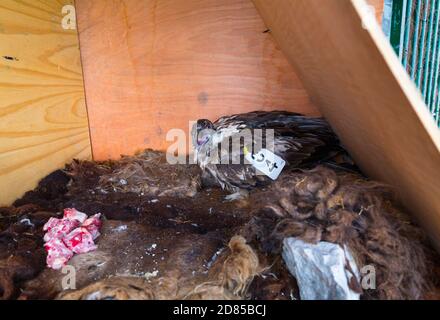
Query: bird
[[221, 147]]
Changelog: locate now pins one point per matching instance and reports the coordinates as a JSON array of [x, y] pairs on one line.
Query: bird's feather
[[300, 140]]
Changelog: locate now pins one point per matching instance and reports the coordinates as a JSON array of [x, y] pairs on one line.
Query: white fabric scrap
[[320, 269]]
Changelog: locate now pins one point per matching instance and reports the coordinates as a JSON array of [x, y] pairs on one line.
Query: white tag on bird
[[266, 162]]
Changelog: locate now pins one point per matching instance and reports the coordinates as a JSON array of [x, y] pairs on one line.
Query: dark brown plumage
[[300, 140]]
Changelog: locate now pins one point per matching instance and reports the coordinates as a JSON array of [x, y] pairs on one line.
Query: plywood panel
[[378, 6], [360, 86], [43, 121], [154, 65]]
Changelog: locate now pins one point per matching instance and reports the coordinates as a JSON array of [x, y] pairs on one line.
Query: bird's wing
[[302, 140], [297, 139], [254, 119], [235, 176]]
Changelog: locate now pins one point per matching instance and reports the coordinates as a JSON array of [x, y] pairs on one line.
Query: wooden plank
[[378, 6], [151, 66], [43, 121], [355, 78]]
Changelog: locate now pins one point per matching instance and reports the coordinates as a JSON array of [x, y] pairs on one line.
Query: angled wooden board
[[354, 77], [378, 6], [151, 66], [43, 121]]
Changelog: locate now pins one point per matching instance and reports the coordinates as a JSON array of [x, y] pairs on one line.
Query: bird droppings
[[121, 228], [213, 258], [27, 222], [150, 275]]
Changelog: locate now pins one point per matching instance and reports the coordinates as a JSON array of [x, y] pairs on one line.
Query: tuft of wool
[[21, 247], [228, 279], [147, 173], [240, 267], [325, 205]]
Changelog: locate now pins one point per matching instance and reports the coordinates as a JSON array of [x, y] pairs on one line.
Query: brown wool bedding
[[228, 279], [322, 205], [205, 247]]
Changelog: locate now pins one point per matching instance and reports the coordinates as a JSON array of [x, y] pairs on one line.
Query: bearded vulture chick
[[220, 147]]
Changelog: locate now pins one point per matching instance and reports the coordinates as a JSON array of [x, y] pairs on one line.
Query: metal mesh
[[413, 27]]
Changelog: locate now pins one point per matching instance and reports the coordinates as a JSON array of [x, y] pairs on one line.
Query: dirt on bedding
[[143, 235], [169, 229]]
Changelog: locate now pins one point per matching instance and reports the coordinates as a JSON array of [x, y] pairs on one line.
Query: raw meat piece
[[57, 253]]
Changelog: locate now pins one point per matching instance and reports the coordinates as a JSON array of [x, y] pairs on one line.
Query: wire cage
[[413, 28]]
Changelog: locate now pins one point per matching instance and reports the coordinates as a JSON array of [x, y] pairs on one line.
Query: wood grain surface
[[43, 120], [360, 86], [378, 8], [151, 66]]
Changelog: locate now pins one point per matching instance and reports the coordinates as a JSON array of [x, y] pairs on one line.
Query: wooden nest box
[[134, 69]]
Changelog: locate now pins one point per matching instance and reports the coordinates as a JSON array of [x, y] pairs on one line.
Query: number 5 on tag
[[266, 161]]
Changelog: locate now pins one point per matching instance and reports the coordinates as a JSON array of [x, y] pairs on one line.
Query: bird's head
[[202, 133]]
